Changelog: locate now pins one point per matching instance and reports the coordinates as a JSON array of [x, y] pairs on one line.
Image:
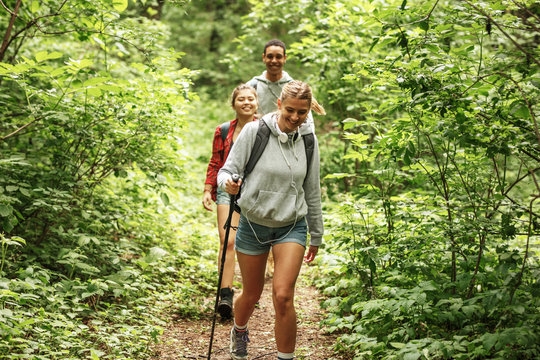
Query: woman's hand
[[207, 200], [312, 252], [232, 187]]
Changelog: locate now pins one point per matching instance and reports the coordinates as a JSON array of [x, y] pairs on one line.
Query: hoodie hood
[[268, 91], [271, 121], [285, 78]]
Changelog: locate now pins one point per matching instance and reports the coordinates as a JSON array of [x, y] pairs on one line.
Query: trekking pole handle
[[235, 177]]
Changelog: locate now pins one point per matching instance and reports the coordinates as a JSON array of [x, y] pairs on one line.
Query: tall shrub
[[439, 109], [93, 105]]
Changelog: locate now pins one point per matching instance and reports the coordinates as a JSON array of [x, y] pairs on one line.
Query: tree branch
[[7, 35]]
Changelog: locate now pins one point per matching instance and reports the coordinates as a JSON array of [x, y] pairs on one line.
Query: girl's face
[[245, 103], [293, 113]]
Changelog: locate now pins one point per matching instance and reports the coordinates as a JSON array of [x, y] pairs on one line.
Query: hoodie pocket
[[279, 207]]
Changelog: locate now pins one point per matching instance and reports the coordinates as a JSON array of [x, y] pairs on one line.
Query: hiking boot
[[225, 305], [239, 340]]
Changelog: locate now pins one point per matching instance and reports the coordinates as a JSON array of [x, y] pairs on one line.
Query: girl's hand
[[207, 200], [232, 187], [312, 252]]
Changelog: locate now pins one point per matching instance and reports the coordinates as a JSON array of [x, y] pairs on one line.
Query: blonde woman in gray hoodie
[[280, 203]]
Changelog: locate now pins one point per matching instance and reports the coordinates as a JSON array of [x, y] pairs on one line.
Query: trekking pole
[[235, 178]]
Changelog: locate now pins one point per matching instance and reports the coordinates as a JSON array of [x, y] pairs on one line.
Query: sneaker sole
[[234, 357]]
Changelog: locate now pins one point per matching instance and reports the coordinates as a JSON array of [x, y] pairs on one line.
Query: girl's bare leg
[[288, 258]]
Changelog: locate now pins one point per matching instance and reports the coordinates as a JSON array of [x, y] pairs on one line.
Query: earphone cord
[[295, 208], [271, 240]]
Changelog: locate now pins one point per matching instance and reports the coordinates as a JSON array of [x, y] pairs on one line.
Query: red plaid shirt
[[220, 151]]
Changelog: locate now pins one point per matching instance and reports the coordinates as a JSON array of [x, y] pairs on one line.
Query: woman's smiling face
[[245, 103], [293, 113]]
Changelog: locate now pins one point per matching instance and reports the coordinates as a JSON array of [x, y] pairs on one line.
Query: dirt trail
[[189, 339]]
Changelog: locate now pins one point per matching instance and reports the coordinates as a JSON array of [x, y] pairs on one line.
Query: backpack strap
[[225, 127], [253, 83], [263, 134], [309, 144]]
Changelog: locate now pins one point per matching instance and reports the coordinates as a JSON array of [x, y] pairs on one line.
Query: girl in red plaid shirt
[[245, 103]]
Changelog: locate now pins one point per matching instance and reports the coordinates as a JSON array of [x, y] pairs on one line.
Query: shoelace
[[241, 341]]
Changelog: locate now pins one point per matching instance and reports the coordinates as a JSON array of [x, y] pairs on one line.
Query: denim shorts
[[254, 239], [223, 197]]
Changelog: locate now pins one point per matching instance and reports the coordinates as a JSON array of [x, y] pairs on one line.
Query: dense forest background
[[430, 155]]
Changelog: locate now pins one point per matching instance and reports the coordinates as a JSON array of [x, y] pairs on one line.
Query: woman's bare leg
[[252, 268], [288, 258], [228, 268]]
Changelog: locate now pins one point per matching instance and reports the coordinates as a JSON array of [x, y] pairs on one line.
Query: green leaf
[[25, 191], [489, 340], [6, 69], [5, 210], [350, 123], [338, 175], [357, 139], [165, 199], [34, 7], [120, 5], [520, 109], [94, 91], [79, 64], [412, 356], [94, 354], [45, 55], [95, 81], [403, 5], [424, 25]]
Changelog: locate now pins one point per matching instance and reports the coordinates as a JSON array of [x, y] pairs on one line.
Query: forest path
[[189, 339]]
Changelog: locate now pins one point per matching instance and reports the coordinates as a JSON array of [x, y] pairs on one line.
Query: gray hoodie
[[275, 193], [268, 92]]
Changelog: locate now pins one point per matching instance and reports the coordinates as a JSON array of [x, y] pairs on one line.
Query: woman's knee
[[251, 298], [230, 245], [283, 298]]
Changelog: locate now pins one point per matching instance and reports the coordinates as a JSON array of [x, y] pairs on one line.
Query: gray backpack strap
[[253, 83], [309, 144]]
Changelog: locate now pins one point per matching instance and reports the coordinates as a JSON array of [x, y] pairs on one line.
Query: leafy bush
[[430, 156], [435, 240], [92, 159]]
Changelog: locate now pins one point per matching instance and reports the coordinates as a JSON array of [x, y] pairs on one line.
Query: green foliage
[[205, 32], [430, 154], [394, 298], [159, 262], [92, 170], [437, 233]]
